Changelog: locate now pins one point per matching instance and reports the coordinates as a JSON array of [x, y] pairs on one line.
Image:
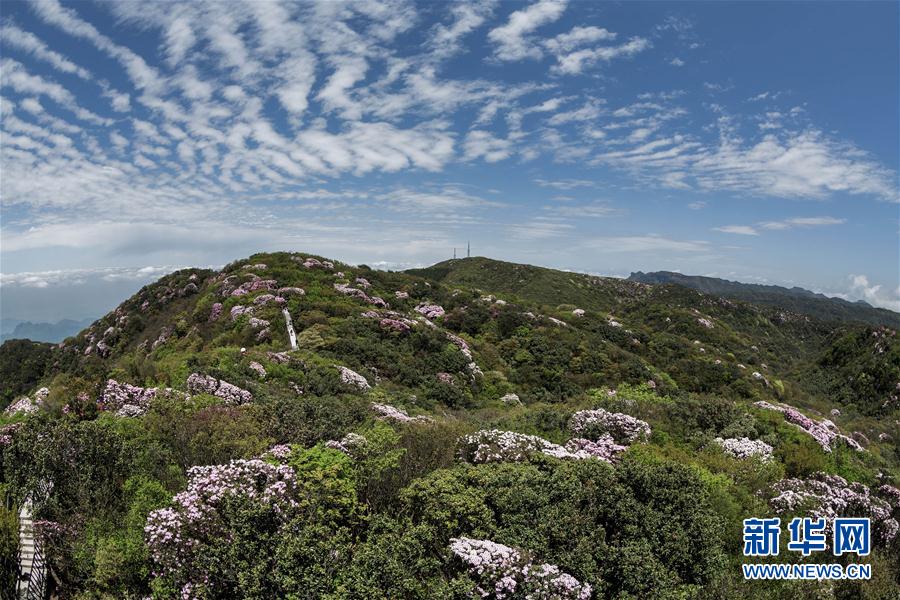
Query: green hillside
[[361, 463]]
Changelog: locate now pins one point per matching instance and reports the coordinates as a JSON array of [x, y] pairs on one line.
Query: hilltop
[[474, 402]]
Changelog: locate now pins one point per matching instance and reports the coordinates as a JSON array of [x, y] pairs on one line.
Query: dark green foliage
[[23, 364]]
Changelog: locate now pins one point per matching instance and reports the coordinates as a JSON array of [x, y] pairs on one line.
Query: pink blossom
[[745, 448], [352, 378], [204, 384], [824, 432], [216, 312], [178, 537], [830, 496], [622, 427], [291, 291], [430, 311], [345, 289], [258, 369], [390, 413], [349, 444], [28, 405], [503, 573]]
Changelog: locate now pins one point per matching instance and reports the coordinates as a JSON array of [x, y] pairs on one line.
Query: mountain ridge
[[794, 298]]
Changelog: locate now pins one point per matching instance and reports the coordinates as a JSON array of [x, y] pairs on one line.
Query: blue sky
[[751, 141]]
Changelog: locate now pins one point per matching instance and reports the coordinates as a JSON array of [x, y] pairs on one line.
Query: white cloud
[[647, 243], [677, 62], [447, 40], [577, 37], [66, 277], [564, 184], [512, 40], [737, 229], [576, 62], [802, 222], [482, 144], [30, 43], [873, 293]]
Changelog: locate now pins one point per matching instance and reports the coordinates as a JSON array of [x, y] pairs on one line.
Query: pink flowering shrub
[[7, 431], [830, 496], [494, 445], [394, 325], [28, 405], [604, 448], [238, 310], [824, 433], [258, 369], [278, 452], [256, 323], [354, 379], [345, 289], [24, 405], [215, 312], [706, 323], [624, 428], [401, 295], [291, 291], [502, 572], [390, 413], [578, 312], [179, 537], [126, 399], [204, 384], [255, 285], [282, 358], [264, 299], [745, 448], [430, 311], [349, 444]]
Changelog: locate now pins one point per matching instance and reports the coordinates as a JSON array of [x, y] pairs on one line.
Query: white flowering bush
[[430, 311], [204, 384], [178, 537], [386, 412], [592, 424], [494, 445], [824, 432], [353, 379], [830, 496], [502, 572], [349, 444], [745, 448], [27, 405]]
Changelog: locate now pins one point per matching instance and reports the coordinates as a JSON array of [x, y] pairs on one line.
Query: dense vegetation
[[347, 469]]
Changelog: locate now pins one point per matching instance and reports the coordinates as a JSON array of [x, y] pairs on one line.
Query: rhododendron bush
[[830, 496], [622, 427], [503, 572]]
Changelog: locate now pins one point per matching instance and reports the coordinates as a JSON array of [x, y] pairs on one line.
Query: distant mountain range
[[45, 332], [794, 299]]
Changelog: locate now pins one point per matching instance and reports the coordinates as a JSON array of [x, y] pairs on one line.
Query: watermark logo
[[808, 536], [761, 537]]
